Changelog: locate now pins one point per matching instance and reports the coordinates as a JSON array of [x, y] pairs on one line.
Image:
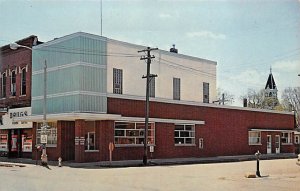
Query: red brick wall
[[12, 59], [225, 131]]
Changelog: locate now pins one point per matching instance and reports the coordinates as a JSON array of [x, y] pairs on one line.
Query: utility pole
[[148, 77]]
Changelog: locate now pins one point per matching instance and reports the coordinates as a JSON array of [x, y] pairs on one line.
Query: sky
[[244, 37]]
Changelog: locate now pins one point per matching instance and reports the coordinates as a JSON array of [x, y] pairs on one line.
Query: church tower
[[271, 88], [270, 97]]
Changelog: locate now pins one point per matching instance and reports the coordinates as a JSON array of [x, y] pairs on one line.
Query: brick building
[[15, 101], [96, 96]]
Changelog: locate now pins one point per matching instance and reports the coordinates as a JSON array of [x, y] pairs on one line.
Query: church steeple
[[271, 88]]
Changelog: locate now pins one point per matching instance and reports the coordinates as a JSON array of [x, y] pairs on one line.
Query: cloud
[[206, 34], [287, 66], [164, 16]]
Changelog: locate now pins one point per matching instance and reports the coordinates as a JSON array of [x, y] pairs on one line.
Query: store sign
[[9, 120]]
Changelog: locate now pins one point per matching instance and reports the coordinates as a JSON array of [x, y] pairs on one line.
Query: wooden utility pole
[[148, 76]]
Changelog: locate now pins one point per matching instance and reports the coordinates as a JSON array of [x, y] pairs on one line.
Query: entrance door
[[269, 144], [277, 143]]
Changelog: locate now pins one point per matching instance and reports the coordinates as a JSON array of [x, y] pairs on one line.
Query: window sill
[[287, 143], [91, 151], [185, 145], [22, 95], [10, 97], [2, 98], [255, 144]]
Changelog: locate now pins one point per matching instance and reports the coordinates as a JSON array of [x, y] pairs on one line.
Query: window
[[254, 137], [297, 139], [51, 134], [286, 137], [1, 120], [152, 87], [184, 134], [3, 85], [23, 82], [205, 92], [90, 141], [133, 133], [176, 88], [117, 81], [13, 83]]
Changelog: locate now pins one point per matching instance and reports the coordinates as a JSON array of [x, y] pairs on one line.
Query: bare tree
[[224, 97], [254, 98], [291, 101]]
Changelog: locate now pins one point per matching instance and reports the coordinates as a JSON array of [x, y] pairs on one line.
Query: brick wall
[[225, 131]]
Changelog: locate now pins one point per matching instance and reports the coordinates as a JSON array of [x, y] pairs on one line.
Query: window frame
[[117, 81], [205, 92], [288, 139], [181, 132], [13, 85], [176, 88], [152, 87], [23, 82], [87, 141], [140, 135], [3, 84], [251, 138]]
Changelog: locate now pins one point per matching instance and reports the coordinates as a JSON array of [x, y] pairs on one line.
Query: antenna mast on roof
[[101, 15]]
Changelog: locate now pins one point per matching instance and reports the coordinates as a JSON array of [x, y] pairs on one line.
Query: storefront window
[[127, 133], [51, 133], [184, 134], [254, 137]]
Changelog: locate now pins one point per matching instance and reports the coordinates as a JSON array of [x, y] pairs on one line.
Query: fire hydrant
[[59, 161]]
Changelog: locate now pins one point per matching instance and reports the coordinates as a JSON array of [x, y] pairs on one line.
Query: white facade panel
[[191, 71]]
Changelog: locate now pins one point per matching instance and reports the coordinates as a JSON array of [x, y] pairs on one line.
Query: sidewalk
[[152, 162]]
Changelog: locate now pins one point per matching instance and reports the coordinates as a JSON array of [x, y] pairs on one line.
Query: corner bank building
[[96, 96]]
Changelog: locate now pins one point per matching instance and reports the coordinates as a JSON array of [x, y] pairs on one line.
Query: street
[[281, 174]]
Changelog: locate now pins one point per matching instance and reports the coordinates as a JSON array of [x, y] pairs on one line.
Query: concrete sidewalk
[[151, 162]]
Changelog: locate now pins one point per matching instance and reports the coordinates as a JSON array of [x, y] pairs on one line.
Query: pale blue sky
[[245, 37]]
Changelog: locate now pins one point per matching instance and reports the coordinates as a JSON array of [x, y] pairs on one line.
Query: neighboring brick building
[[15, 98], [96, 97]]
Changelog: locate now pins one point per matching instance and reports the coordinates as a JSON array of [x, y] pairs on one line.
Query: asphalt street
[[281, 174]]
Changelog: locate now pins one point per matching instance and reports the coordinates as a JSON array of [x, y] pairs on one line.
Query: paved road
[[279, 175]]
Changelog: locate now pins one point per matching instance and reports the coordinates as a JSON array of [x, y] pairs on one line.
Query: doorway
[[269, 144]]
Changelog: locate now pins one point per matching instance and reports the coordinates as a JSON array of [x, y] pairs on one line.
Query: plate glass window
[[184, 134], [51, 134], [130, 133]]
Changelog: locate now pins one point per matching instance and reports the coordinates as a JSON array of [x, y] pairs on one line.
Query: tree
[[224, 97], [291, 101], [257, 99], [254, 98]]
